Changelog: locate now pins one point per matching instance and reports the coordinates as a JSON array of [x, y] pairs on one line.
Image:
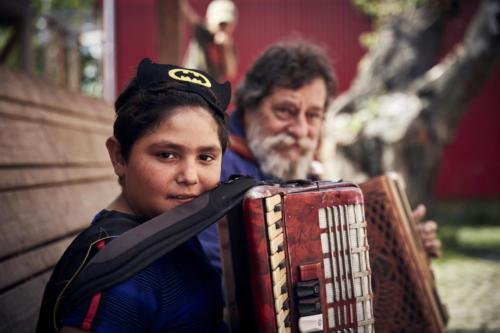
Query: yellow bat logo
[[189, 76]]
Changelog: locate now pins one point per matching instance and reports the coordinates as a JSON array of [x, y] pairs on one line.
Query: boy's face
[[173, 163]]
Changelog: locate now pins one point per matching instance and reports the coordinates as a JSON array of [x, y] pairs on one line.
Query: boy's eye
[[207, 158], [166, 155]]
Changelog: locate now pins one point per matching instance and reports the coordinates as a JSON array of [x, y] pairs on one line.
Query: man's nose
[[299, 127], [187, 173]]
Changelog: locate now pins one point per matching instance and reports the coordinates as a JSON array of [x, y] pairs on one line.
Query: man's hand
[[428, 232]]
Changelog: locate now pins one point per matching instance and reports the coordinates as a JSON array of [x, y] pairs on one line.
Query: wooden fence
[[55, 175]]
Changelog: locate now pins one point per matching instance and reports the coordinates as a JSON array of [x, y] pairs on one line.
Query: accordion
[[298, 260], [405, 295]]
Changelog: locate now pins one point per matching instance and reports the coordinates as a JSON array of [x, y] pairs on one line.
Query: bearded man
[[275, 129], [279, 114]]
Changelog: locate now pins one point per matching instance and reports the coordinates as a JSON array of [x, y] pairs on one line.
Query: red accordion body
[[301, 260]]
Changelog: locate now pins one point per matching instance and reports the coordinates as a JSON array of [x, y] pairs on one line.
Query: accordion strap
[[138, 247]]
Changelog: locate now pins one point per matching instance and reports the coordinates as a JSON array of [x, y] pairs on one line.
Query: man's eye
[[284, 113], [314, 117], [284, 110]]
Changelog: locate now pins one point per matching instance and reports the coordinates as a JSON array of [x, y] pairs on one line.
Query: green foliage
[[5, 34], [368, 39], [72, 17], [381, 9], [45, 6]]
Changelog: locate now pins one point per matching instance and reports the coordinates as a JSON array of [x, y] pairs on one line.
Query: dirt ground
[[471, 289]]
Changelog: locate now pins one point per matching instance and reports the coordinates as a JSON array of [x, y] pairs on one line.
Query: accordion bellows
[[301, 261], [405, 295]]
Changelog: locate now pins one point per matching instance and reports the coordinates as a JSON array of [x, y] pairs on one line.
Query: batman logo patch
[[187, 75]]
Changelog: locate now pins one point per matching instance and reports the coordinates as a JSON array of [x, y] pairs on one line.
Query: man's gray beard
[[266, 151]]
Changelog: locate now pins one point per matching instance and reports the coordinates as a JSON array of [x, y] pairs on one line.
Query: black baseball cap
[[192, 80]]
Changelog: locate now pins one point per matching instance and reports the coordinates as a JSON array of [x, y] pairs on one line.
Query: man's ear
[[115, 155]]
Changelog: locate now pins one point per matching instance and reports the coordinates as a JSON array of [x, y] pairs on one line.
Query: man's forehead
[[313, 92]]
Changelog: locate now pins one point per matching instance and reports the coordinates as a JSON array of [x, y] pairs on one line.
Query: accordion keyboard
[[275, 238], [301, 258], [346, 273]]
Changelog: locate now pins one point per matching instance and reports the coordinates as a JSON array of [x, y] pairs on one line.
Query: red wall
[[470, 163], [333, 24], [135, 36]]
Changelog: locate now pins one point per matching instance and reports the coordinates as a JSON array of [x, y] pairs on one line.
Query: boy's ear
[[115, 155]]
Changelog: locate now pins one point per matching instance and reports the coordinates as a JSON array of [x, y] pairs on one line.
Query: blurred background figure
[[211, 48]]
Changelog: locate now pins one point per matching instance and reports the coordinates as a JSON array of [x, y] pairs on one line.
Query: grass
[[468, 229], [469, 241]]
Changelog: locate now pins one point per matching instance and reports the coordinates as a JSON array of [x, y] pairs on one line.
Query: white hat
[[219, 11]]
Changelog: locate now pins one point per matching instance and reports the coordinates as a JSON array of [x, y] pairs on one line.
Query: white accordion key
[[273, 210], [312, 323], [276, 244], [272, 202], [279, 273], [281, 316], [276, 259], [273, 217], [284, 329], [274, 230], [280, 301], [279, 287]]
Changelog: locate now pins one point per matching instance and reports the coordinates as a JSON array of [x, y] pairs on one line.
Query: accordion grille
[[346, 268], [400, 303]]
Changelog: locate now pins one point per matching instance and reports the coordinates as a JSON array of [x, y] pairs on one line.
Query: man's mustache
[[285, 139]]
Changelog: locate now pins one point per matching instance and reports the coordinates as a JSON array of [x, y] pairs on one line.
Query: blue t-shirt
[[180, 292]]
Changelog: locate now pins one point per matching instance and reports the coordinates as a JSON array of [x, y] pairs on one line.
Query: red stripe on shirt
[[89, 318], [94, 302]]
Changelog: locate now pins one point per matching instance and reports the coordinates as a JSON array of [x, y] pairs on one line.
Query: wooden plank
[[33, 217], [28, 90], [39, 114], [26, 178], [21, 268], [27, 143], [55, 176], [19, 307]]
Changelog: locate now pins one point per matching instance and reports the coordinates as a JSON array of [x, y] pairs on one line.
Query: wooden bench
[[55, 175]]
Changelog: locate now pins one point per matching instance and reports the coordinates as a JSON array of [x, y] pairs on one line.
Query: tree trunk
[[402, 110]]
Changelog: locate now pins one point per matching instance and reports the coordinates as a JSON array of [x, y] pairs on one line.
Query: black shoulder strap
[[74, 258], [139, 247]]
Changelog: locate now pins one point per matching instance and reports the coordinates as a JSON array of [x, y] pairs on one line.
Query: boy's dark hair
[[288, 65], [149, 99]]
